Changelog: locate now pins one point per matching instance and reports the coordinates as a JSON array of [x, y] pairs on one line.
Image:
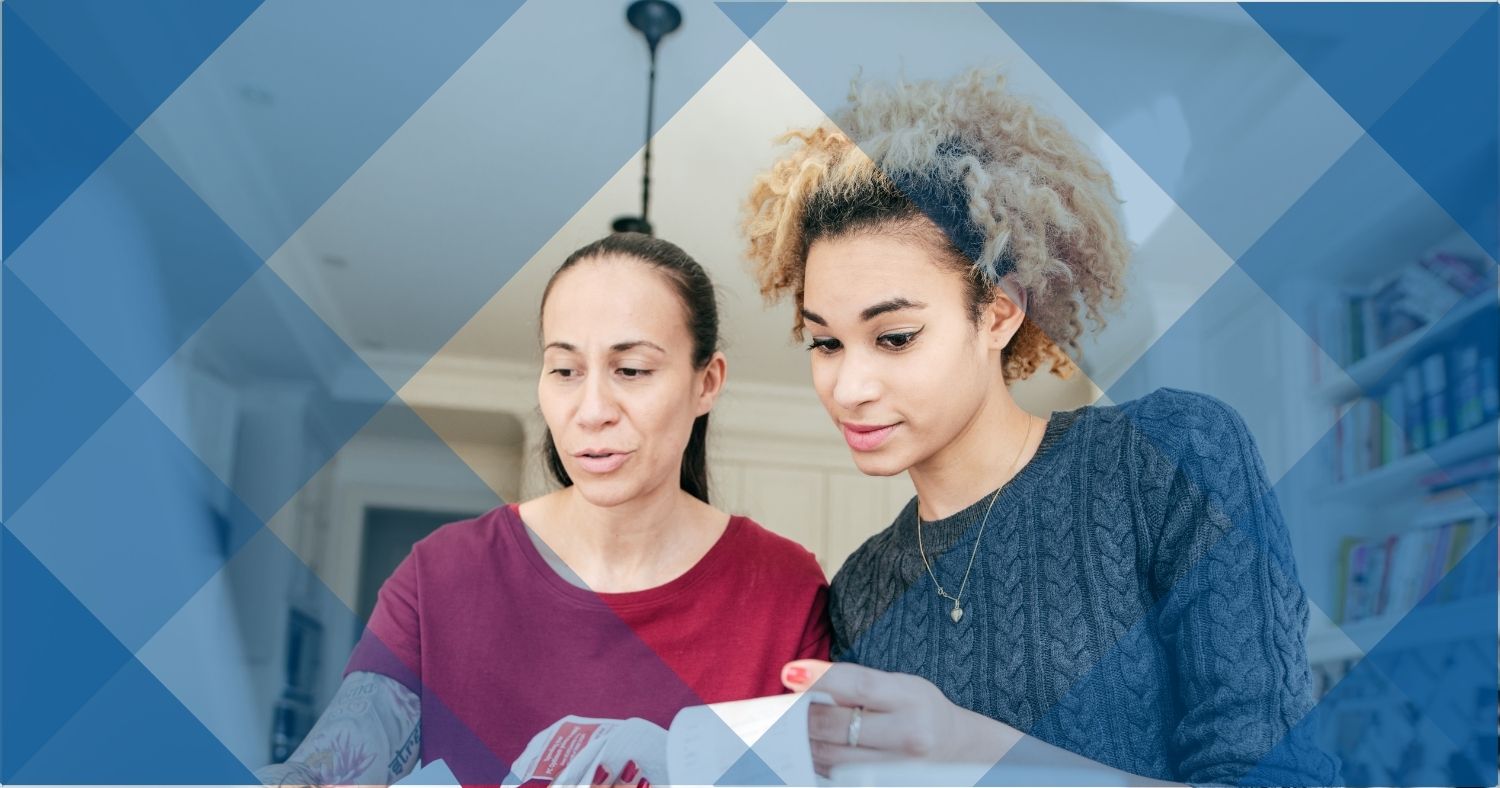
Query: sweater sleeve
[[1232, 613]]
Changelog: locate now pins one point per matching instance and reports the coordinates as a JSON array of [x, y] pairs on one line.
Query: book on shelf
[[1445, 393], [1456, 480], [1361, 321], [1379, 575]]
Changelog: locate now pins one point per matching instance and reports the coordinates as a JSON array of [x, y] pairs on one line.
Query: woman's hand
[[629, 776], [900, 717]]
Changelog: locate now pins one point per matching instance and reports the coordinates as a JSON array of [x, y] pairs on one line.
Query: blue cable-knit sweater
[[1133, 600]]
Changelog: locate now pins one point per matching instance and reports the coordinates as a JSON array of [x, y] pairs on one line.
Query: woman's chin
[[881, 463], [606, 492]]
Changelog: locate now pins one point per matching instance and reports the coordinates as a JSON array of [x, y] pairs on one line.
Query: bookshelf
[[1414, 409], [1356, 474], [1401, 477], [1368, 372]]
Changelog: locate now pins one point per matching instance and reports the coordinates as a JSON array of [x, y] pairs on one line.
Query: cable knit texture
[[1133, 600]]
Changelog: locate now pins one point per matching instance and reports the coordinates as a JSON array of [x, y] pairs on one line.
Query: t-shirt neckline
[[627, 600]]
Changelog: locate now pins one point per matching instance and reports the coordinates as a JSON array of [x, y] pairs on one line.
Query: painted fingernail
[[599, 775], [629, 772], [644, 783], [796, 675]]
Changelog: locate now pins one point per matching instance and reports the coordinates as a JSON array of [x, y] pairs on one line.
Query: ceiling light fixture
[[655, 19]]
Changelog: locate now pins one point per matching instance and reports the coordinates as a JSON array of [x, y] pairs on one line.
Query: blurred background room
[[377, 377]]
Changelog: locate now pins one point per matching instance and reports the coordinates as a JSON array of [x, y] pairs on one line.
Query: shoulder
[[765, 551], [866, 584], [1188, 410], [1168, 425], [1196, 452], [1164, 413], [1172, 442], [1192, 430], [465, 540]]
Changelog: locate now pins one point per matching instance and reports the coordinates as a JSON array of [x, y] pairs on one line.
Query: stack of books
[[1363, 321], [1393, 573], [1447, 392]]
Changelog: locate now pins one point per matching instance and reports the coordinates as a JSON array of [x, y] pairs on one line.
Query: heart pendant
[[957, 613]]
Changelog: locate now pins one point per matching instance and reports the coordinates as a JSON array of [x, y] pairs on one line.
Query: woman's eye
[[898, 341], [824, 345], [562, 372], [631, 372]]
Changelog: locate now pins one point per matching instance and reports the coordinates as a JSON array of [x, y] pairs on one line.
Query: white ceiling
[[703, 161], [421, 210]]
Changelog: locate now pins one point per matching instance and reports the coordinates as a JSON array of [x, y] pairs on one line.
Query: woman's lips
[[602, 462], [863, 437]]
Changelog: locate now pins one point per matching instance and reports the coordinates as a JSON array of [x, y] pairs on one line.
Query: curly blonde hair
[[1038, 203]]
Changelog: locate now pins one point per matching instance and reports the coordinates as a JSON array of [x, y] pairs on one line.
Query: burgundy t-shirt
[[499, 646]]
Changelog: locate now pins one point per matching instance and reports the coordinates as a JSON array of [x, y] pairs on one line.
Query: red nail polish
[[796, 675], [629, 772], [644, 783], [600, 775]]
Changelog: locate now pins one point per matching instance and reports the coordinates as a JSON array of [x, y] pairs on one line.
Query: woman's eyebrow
[[870, 313], [620, 347], [892, 305]]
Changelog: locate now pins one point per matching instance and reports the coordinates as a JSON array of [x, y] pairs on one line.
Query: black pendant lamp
[[655, 19]]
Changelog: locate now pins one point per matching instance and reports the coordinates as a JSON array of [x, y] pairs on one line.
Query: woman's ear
[[1002, 318], [714, 375]]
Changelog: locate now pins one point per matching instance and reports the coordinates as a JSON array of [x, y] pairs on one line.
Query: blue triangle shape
[[134, 731], [1365, 55], [308, 56], [67, 393], [56, 655], [1443, 131], [163, 284], [133, 55], [57, 131], [82, 74], [1118, 62], [750, 16], [750, 770]]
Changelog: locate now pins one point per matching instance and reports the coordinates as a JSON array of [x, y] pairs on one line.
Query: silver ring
[[855, 720]]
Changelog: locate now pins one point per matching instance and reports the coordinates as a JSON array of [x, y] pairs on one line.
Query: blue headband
[[946, 203]]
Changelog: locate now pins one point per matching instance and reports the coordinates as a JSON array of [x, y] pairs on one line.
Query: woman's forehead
[[612, 302], [846, 275]]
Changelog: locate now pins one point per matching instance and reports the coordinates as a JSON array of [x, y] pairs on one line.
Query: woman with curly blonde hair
[[1109, 588]]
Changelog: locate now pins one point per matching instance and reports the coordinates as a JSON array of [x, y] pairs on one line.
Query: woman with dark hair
[[1108, 589], [624, 593]]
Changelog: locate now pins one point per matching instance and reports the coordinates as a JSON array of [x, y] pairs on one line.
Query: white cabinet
[[789, 501], [830, 508]]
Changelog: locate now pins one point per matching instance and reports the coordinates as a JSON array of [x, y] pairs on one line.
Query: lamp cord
[[650, 112]]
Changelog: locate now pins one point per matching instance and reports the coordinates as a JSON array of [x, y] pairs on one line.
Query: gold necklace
[[958, 612]]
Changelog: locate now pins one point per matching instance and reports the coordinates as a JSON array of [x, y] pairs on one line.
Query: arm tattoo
[[370, 734]]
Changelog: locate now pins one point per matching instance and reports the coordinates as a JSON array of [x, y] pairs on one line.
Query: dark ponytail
[[701, 310]]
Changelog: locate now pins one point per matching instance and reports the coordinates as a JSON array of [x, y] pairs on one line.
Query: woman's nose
[[598, 407], [855, 383]]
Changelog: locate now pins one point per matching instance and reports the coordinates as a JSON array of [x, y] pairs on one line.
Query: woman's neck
[[988, 452], [641, 543]]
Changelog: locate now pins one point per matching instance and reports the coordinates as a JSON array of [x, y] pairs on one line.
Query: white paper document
[[763, 740]]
